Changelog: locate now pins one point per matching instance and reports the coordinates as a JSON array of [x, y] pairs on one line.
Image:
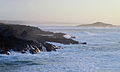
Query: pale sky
[[72, 11]]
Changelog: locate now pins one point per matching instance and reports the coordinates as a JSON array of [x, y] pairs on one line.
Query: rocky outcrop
[[83, 43], [27, 39]]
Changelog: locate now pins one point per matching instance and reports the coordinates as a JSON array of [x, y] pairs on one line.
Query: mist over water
[[101, 54]]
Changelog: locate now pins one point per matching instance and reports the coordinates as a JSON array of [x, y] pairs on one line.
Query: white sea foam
[[67, 36], [101, 54]]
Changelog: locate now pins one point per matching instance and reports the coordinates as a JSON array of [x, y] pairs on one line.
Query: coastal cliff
[[21, 38]]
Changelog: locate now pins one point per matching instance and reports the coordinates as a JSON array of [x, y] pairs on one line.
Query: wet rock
[[8, 53], [83, 43], [26, 48], [57, 40], [73, 37], [49, 47], [59, 47], [23, 51], [5, 52], [40, 47], [36, 49], [32, 51]]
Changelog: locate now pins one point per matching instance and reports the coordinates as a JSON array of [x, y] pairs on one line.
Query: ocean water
[[101, 54]]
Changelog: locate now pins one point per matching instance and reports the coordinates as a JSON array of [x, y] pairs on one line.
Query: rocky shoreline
[[27, 39]]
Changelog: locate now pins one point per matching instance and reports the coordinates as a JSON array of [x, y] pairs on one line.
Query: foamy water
[[101, 54]]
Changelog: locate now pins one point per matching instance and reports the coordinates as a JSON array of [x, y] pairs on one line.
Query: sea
[[100, 54]]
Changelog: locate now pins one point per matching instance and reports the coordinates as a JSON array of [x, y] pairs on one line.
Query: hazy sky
[[72, 11]]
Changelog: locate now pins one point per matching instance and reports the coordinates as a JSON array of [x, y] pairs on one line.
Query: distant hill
[[37, 23], [20, 22], [16, 22], [97, 24]]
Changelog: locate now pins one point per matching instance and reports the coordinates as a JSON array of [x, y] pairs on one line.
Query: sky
[[67, 11]]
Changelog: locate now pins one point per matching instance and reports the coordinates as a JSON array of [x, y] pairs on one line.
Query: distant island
[[97, 24]]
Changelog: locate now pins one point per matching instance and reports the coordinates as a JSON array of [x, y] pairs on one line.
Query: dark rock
[[83, 43], [73, 37], [26, 48], [57, 40], [40, 47], [49, 47], [33, 51], [59, 47], [5, 52], [36, 48], [23, 51], [8, 53]]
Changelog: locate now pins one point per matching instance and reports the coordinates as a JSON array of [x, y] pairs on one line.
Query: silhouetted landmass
[[37, 23], [25, 39], [97, 24]]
